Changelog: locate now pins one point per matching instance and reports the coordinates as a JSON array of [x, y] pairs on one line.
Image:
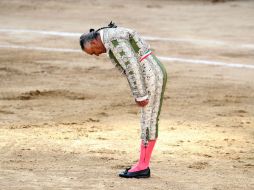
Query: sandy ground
[[67, 120]]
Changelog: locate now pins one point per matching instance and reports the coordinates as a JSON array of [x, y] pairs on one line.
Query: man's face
[[93, 48]]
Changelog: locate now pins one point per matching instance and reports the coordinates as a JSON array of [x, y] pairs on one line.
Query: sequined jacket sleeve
[[115, 62], [128, 61]]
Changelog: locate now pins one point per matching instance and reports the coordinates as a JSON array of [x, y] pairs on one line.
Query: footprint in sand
[[199, 165], [6, 112]]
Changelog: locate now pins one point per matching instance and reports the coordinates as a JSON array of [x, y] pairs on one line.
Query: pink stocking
[[145, 155]]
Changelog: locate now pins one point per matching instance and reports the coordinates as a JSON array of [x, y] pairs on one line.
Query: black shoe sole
[[141, 175], [145, 176]]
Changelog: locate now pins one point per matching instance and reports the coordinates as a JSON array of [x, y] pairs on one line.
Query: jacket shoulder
[[118, 33]]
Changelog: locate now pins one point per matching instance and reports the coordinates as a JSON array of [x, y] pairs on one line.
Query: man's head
[[91, 43]]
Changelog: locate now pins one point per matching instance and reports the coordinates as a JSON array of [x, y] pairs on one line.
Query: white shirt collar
[[102, 39], [101, 35]]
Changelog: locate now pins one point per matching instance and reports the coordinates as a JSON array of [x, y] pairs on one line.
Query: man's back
[[114, 36]]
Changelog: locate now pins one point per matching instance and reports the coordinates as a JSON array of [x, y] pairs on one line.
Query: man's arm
[[125, 55], [116, 63]]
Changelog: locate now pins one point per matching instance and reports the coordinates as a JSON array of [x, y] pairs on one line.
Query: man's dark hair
[[85, 38]]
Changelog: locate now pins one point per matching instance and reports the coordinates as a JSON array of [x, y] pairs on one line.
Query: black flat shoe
[[138, 174]]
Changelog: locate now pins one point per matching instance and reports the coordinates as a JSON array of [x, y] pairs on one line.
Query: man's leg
[[160, 89], [145, 156], [150, 116], [146, 147], [155, 79]]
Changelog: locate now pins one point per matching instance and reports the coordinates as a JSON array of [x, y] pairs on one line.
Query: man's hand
[[142, 103]]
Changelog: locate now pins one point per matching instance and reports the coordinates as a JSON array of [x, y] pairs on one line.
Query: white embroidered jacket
[[125, 49]]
